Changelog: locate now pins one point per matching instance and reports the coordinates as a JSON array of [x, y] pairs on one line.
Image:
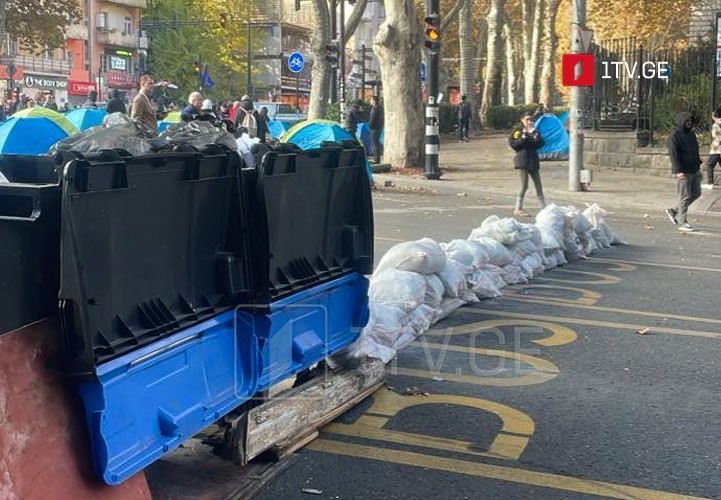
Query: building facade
[[703, 18]]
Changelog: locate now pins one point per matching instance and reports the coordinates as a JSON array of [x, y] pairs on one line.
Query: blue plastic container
[[304, 328], [146, 403]]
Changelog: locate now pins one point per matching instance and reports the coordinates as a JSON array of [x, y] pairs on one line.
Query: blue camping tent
[[310, 134], [555, 136], [29, 136], [277, 128], [364, 135], [86, 118]]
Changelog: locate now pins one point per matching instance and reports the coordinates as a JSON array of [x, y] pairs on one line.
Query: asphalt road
[[589, 408]]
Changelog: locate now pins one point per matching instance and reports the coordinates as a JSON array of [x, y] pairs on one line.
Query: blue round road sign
[[296, 62]]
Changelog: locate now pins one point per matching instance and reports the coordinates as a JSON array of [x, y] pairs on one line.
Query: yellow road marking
[[655, 264], [606, 279], [616, 310], [509, 444], [561, 335], [497, 472], [589, 322], [587, 297], [543, 370]]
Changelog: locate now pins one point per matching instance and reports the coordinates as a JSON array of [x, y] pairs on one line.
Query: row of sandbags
[[418, 283]]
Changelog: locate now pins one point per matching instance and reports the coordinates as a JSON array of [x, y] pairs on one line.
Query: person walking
[[246, 117], [115, 104], [525, 140], [376, 122], [464, 119], [143, 110], [263, 125], [353, 118], [714, 156], [686, 167]]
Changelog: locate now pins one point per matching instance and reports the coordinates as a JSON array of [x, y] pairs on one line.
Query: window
[[71, 59], [128, 26]]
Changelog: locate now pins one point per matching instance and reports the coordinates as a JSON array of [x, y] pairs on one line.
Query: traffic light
[[331, 52], [197, 68], [223, 20], [433, 33]]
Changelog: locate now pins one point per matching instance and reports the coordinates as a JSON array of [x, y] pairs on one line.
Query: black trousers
[[463, 127], [712, 161], [376, 143]]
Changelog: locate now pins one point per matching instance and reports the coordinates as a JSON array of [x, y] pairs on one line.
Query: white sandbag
[[422, 318], [402, 289], [578, 222], [600, 236], [524, 248], [573, 247], [498, 254], [513, 275], [552, 220], [561, 258], [495, 273], [469, 253], [454, 283], [507, 231], [532, 265], [434, 291], [386, 326], [423, 256], [448, 306], [483, 286], [550, 262], [589, 242], [549, 240]]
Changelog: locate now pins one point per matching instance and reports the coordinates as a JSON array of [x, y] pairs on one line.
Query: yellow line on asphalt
[[606, 279], [497, 472], [615, 310], [655, 264], [560, 335], [590, 322]]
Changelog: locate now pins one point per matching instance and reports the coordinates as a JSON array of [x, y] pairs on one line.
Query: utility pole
[[575, 155], [341, 62], [334, 36], [433, 45], [249, 55]]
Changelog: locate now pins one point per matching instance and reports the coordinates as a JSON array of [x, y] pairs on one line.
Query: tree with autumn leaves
[[38, 24]]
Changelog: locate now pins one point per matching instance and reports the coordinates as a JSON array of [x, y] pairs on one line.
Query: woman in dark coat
[[525, 141]]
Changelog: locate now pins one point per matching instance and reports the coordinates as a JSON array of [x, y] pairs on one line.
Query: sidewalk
[[484, 167]]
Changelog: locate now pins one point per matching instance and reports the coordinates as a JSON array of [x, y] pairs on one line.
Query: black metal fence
[[642, 90]]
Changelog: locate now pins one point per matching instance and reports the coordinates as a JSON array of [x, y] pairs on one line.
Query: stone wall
[[620, 150], [703, 16]]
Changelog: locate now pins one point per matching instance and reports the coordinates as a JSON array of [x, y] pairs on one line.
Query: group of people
[[241, 114], [376, 123]]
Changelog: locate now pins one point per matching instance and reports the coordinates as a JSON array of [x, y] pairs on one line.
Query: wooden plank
[[302, 410]]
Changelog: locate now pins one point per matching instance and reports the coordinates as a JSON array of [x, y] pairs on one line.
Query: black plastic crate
[[29, 240], [143, 246], [309, 215]]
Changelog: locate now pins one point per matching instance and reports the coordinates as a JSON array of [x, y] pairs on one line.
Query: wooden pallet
[[291, 419]]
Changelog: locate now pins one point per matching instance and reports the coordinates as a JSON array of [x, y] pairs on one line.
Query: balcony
[[117, 38], [142, 4], [34, 64], [77, 32]]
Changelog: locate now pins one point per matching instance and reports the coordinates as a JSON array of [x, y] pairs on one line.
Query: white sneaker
[[707, 186]]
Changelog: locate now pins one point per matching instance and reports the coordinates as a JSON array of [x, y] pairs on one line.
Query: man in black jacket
[[115, 104], [375, 124], [525, 141], [686, 167], [464, 119]]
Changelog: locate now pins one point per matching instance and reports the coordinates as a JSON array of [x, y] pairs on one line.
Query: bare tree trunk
[[510, 66], [355, 18], [321, 74], [469, 68], [480, 48], [397, 46], [550, 44], [530, 62], [493, 56], [526, 29]]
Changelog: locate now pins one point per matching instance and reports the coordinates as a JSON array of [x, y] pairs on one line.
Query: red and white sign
[[120, 80], [19, 73], [81, 88]]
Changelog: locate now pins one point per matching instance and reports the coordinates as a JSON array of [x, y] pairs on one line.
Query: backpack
[[250, 123]]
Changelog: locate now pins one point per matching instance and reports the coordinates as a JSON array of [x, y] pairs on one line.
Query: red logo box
[[587, 64]]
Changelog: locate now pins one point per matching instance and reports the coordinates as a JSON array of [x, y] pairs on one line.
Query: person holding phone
[[525, 140]]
